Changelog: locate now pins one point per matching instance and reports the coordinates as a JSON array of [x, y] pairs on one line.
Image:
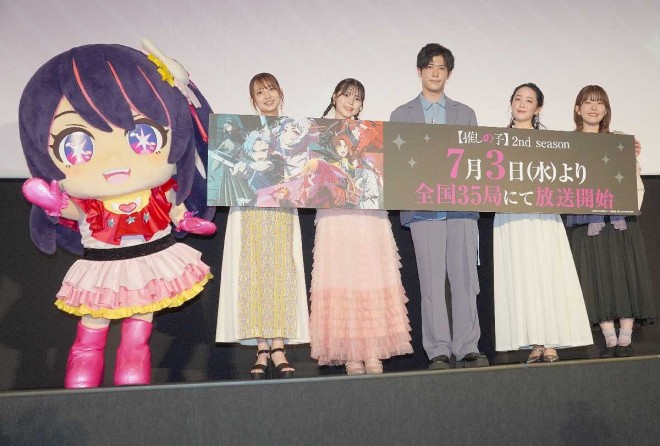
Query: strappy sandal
[[355, 368], [373, 366], [279, 368], [536, 355], [260, 371]]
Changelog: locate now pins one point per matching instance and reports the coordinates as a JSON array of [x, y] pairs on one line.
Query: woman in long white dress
[[263, 297], [538, 299]]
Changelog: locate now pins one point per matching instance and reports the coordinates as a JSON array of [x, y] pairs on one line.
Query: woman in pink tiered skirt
[[358, 304]]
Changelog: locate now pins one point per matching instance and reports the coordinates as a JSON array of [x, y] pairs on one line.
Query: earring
[[281, 106], [536, 121], [512, 124]]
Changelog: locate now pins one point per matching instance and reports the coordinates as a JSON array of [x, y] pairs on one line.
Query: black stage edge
[[590, 402]]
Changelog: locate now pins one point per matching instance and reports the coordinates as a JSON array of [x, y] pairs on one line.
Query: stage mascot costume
[[116, 145]]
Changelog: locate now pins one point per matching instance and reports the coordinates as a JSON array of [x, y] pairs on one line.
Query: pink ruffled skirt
[[117, 289], [358, 304]]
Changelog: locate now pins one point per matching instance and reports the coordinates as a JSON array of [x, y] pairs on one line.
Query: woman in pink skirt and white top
[[358, 304]]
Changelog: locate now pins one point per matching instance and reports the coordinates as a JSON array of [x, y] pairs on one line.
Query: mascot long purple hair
[[115, 142]]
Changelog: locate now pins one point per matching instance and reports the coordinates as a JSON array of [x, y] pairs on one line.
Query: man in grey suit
[[446, 243]]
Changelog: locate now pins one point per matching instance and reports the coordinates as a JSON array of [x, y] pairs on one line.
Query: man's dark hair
[[430, 50]]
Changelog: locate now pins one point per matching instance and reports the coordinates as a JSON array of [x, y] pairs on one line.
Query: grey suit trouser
[[448, 248]]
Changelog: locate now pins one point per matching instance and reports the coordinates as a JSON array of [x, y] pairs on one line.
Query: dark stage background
[[35, 336]]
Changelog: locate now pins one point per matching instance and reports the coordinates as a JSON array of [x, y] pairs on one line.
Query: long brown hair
[[264, 80], [594, 93]]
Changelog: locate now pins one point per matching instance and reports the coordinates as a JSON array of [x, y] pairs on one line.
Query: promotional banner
[[324, 163]]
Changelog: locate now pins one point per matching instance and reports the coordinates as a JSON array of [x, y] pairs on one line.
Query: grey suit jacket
[[456, 114]]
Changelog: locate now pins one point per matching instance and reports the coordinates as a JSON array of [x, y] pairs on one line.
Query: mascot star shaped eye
[[144, 139]]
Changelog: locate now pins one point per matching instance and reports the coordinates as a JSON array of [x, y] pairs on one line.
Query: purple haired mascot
[[115, 142]]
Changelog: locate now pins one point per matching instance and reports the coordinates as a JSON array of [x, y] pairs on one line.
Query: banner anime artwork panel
[[324, 163], [295, 162]]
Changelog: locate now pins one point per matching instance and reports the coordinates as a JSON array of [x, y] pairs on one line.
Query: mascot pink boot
[[84, 367], [133, 364]]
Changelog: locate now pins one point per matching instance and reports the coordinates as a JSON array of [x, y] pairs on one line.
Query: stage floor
[[605, 401]]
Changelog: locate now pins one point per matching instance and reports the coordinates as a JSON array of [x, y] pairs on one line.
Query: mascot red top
[[115, 142]]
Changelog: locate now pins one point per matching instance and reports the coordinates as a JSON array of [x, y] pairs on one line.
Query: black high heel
[[279, 368], [608, 352], [261, 371], [621, 351]]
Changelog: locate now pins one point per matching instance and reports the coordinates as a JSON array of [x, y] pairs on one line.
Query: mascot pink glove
[[50, 198], [195, 225]]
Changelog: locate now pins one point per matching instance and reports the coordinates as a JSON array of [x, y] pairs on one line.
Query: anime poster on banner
[[295, 162], [325, 163]]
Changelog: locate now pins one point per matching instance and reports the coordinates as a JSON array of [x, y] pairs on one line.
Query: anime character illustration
[[345, 145], [336, 149], [292, 136], [113, 139], [369, 180], [317, 163], [365, 136], [342, 148], [260, 167], [282, 196], [319, 184], [224, 185], [325, 185]]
